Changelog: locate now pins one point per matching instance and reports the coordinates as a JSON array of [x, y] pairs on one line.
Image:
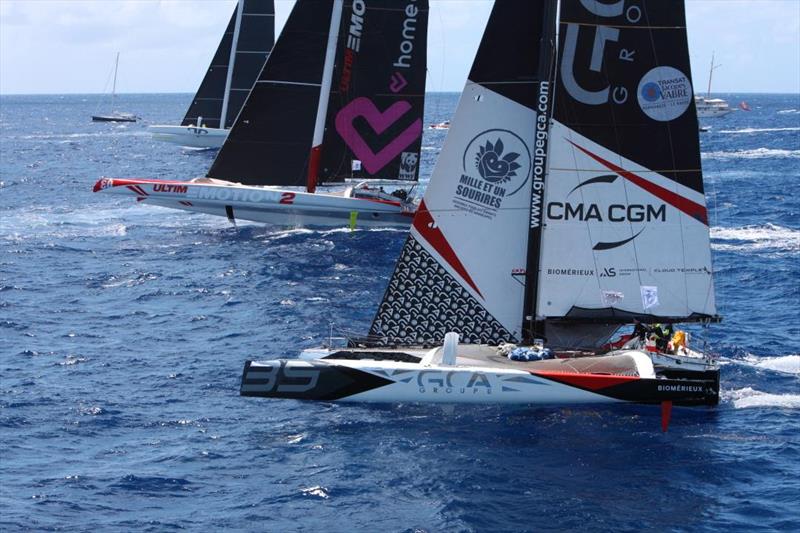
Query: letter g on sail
[[601, 36]]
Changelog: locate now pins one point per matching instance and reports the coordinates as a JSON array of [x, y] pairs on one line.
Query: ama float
[[506, 302], [330, 133]]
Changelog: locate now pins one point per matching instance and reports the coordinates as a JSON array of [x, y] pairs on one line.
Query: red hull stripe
[[427, 228], [592, 382], [119, 182], [689, 207]]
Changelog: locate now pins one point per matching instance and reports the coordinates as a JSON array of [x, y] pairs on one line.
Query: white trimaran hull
[[268, 205], [191, 136], [479, 374]]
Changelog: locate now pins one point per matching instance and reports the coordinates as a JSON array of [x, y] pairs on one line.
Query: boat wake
[[767, 237], [748, 397], [759, 130], [756, 153], [782, 364]]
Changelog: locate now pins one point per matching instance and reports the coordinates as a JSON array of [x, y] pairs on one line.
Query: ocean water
[[124, 328]]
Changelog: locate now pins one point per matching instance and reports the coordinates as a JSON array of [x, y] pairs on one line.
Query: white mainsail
[[463, 266]]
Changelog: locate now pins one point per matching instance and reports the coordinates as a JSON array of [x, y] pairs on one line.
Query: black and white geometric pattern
[[423, 302]]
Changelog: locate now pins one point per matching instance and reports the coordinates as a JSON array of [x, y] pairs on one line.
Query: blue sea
[[124, 329]]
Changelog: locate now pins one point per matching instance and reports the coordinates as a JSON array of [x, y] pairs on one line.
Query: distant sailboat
[[115, 116], [567, 201], [242, 51], [708, 107], [330, 134]]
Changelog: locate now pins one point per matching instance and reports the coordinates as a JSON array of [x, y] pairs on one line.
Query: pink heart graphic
[[364, 107]]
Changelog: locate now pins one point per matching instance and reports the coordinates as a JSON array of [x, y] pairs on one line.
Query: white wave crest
[[749, 398], [768, 237], [756, 153], [785, 364], [758, 130], [789, 112]]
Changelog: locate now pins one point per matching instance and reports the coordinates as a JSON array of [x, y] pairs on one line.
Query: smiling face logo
[[492, 165], [502, 161]]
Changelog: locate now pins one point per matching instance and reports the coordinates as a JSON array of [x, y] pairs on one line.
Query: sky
[[68, 46]]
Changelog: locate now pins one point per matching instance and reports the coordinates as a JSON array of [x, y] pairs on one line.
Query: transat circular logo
[[664, 93]]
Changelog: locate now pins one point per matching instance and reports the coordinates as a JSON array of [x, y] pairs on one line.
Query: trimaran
[[566, 203], [330, 133], [240, 56]]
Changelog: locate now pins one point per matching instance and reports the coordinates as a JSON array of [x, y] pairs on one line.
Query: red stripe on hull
[[592, 382]]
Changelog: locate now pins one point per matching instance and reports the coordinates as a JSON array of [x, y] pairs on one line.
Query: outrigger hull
[[472, 381], [268, 205]]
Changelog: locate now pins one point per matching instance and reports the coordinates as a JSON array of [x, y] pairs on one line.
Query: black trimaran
[[340, 98], [567, 202], [240, 56]]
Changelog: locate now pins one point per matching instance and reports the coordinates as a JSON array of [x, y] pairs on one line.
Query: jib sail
[[626, 231], [463, 266], [244, 47]]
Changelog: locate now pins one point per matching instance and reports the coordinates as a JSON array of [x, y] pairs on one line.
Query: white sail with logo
[[626, 233], [461, 268]]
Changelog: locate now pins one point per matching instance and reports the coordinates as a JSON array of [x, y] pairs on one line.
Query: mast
[[324, 97], [531, 328], [231, 61], [710, 73], [114, 84]]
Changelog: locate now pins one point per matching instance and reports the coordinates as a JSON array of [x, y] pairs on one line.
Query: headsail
[[378, 92], [626, 229], [462, 267], [245, 45], [376, 120]]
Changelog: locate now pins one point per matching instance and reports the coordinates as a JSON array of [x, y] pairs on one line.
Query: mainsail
[[462, 267], [378, 92], [567, 226], [626, 228], [345, 80], [241, 53]]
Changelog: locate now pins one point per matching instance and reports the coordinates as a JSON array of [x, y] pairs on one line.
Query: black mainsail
[[241, 53], [329, 95], [579, 222], [378, 92]]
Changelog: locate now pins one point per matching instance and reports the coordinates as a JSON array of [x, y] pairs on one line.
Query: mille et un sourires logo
[[503, 164]]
